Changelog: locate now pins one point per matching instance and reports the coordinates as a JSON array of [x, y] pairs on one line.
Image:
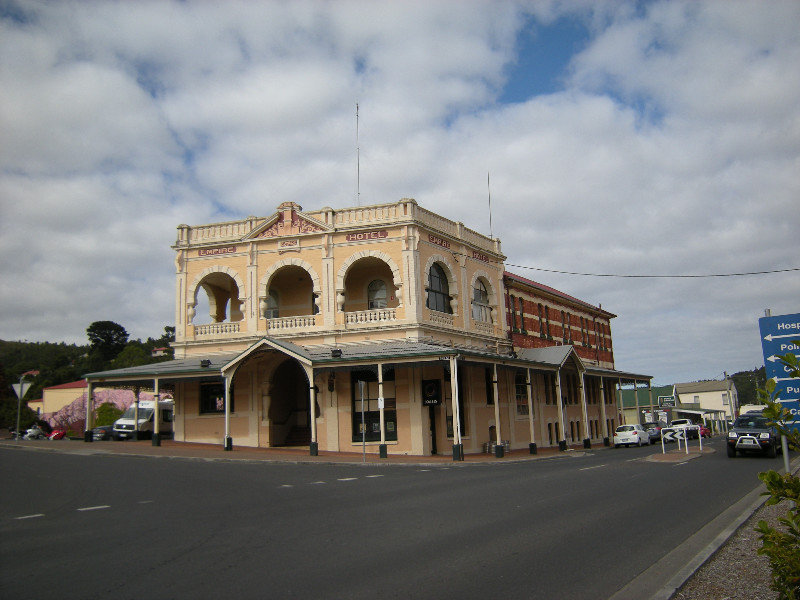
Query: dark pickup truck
[[751, 432]]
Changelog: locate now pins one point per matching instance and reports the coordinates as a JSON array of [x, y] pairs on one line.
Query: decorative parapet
[[216, 329], [405, 211], [369, 317]]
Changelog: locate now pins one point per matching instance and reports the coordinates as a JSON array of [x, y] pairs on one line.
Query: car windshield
[[752, 422], [144, 413], [625, 428]]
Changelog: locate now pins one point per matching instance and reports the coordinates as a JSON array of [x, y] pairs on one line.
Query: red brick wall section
[[525, 328]]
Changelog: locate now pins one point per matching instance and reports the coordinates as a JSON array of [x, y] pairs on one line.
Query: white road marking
[[317, 483], [36, 516], [101, 507], [286, 485], [371, 476], [145, 501], [347, 479], [595, 467]]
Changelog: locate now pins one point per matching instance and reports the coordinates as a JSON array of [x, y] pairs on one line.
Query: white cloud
[[673, 148]]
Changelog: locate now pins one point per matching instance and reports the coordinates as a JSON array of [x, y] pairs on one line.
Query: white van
[[125, 426]]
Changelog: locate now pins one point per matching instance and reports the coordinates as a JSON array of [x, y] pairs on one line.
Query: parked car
[[654, 430], [751, 432], [102, 432], [59, 433], [631, 435]]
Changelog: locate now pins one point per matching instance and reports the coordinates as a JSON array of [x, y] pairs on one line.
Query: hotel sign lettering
[[367, 235], [216, 251], [480, 256]]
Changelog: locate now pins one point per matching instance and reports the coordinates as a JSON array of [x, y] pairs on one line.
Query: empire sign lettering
[[216, 251], [438, 241]]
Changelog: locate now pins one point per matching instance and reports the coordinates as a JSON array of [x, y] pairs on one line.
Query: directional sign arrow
[[775, 357], [771, 337], [672, 435]]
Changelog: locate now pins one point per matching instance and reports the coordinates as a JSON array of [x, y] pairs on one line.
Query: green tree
[[106, 414], [782, 547], [107, 339], [747, 383], [132, 356]]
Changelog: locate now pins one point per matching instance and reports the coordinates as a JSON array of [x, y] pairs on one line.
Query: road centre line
[[101, 507], [594, 467], [347, 479], [36, 516], [371, 476]]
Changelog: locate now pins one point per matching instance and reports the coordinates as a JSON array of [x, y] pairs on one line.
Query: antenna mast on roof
[[489, 188], [358, 164]]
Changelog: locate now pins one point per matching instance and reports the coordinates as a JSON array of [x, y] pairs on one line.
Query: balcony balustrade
[[213, 329], [294, 323], [440, 318], [368, 317], [486, 327]]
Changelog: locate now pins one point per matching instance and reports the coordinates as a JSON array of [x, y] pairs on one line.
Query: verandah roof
[[352, 354]]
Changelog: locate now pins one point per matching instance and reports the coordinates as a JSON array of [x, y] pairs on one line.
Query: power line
[[706, 276]]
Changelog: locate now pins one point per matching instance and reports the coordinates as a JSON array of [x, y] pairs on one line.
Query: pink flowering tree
[[73, 415]]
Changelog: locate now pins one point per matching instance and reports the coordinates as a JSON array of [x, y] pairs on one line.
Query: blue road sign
[[778, 335], [777, 338]]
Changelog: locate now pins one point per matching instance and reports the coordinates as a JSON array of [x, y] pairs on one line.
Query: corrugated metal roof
[[353, 353], [702, 386], [68, 386], [555, 292]]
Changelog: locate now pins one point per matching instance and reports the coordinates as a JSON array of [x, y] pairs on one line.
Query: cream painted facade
[[717, 396], [320, 264], [306, 313]]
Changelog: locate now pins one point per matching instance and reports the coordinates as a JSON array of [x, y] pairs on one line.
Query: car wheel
[[731, 451], [639, 442], [772, 451]]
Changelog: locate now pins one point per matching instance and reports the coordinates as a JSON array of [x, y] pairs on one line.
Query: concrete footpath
[[300, 454], [659, 581]]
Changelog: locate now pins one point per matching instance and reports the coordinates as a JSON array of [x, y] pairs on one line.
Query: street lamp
[[20, 389]]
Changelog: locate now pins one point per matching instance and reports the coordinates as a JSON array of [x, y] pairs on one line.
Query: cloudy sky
[[635, 139]]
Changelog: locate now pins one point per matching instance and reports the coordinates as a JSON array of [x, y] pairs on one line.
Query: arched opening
[[220, 301], [481, 310], [289, 415], [369, 285], [438, 289], [290, 293]]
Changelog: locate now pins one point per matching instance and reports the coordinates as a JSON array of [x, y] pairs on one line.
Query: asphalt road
[[105, 526]]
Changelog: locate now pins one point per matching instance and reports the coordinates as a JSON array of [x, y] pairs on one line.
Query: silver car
[[631, 435]]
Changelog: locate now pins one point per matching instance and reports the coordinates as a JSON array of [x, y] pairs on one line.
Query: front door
[[432, 413]]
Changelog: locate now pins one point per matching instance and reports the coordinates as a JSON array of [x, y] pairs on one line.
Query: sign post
[[20, 389]]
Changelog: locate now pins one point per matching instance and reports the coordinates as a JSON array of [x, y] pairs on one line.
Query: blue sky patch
[[543, 57]]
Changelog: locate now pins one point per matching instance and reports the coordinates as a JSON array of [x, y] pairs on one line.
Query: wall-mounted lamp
[[205, 363], [336, 353]]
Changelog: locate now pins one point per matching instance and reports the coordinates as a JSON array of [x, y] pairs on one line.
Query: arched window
[[480, 302], [376, 294], [438, 290], [272, 305]]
